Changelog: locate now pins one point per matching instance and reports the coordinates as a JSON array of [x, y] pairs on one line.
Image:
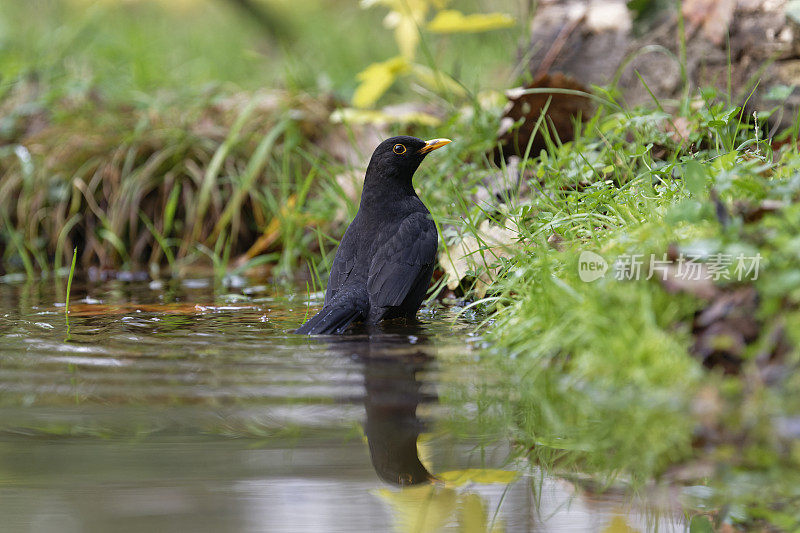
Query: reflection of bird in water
[[391, 363]]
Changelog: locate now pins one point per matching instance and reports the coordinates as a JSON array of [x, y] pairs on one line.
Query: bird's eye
[[399, 149]]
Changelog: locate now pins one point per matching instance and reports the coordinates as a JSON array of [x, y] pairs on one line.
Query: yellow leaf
[[452, 21], [383, 117], [477, 475], [406, 17], [376, 79], [406, 33]]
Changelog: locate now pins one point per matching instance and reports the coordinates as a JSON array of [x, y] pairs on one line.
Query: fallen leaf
[[477, 253], [452, 21], [524, 109]]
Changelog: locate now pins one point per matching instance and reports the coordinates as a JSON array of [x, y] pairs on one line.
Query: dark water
[[184, 408]]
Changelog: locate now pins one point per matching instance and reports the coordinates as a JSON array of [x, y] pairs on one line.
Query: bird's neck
[[383, 188]]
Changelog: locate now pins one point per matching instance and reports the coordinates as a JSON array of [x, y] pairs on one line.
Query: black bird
[[385, 261]]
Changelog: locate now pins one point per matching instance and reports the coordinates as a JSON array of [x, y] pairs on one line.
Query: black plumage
[[385, 260]]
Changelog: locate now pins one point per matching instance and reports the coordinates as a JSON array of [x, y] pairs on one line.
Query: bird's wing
[[342, 266], [398, 262]]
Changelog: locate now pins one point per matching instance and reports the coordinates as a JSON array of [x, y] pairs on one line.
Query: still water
[[185, 407]]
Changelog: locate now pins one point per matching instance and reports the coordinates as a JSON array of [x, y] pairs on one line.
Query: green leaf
[[694, 177], [452, 21]]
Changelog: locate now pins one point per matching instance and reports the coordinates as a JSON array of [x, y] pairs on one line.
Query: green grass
[[599, 377]]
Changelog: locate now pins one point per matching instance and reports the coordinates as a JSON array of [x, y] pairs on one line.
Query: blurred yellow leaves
[[451, 21], [377, 78], [407, 18]]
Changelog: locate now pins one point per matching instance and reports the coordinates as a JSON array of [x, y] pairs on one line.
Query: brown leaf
[[527, 108]]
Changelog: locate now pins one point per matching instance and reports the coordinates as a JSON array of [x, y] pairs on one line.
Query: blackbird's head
[[399, 157]]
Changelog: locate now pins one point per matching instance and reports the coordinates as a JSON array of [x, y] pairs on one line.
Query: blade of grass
[[69, 288]]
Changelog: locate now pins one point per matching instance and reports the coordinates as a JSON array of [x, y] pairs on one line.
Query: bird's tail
[[332, 319]]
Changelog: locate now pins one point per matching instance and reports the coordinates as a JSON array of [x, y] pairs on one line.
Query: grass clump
[[606, 377]]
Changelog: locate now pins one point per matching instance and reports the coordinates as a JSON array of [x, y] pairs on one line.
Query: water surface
[[189, 407]]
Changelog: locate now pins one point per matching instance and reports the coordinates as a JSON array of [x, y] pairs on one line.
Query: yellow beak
[[433, 144]]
